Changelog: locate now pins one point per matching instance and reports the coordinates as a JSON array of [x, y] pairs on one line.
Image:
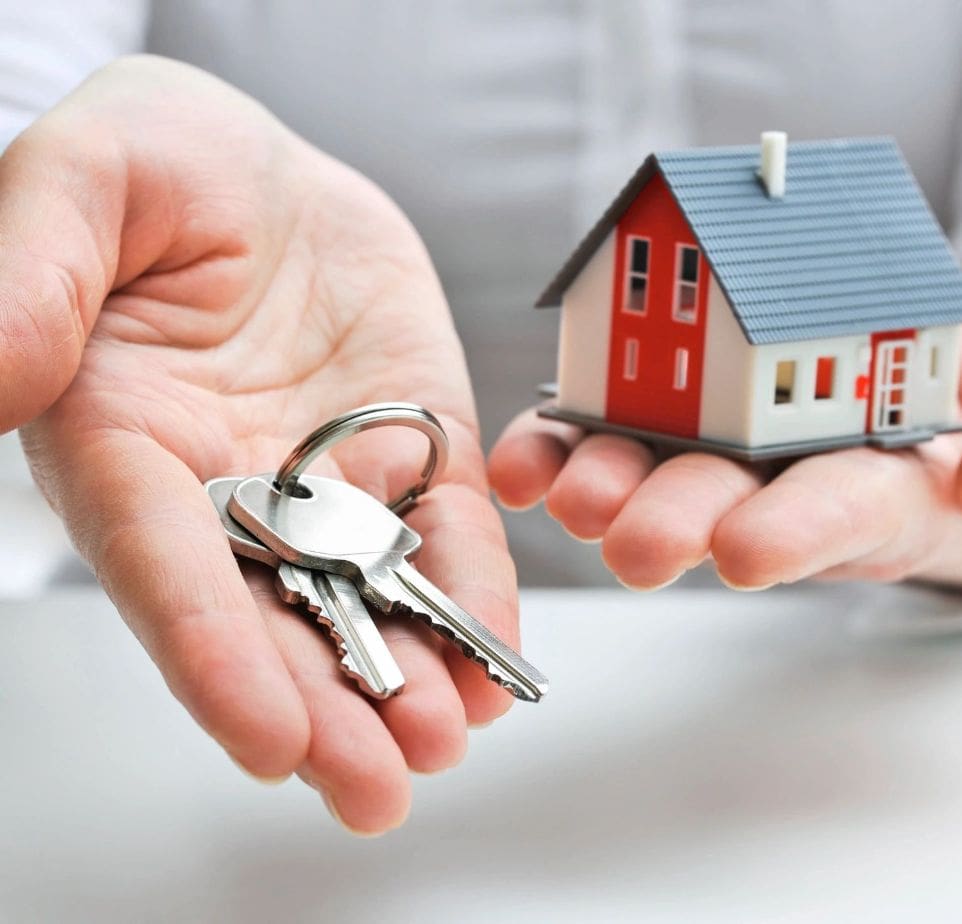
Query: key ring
[[389, 414]]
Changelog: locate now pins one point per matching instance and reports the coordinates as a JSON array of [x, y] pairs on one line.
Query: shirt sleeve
[[47, 47]]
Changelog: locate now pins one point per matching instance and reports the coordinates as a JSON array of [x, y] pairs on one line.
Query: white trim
[[678, 282], [631, 274], [884, 402]]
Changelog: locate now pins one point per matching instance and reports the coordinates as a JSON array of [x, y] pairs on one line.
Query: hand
[[187, 289], [862, 514]]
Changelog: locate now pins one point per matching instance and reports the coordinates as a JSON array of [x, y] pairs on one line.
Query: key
[[332, 598], [338, 527]]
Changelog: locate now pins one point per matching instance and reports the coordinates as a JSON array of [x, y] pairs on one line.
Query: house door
[[890, 389]]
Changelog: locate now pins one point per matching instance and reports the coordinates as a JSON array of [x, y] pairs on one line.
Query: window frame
[[678, 283], [631, 273], [790, 400]]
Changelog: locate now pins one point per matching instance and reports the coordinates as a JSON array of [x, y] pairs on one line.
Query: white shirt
[[503, 129]]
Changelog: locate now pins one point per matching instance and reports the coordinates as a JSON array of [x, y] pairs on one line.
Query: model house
[[763, 301]]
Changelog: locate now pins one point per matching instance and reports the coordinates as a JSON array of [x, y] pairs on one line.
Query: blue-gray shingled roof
[[851, 248]]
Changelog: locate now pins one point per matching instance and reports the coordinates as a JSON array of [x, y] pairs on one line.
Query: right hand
[[186, 289]]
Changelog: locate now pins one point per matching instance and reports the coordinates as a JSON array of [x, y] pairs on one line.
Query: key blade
[[501, 663], [334, 600]]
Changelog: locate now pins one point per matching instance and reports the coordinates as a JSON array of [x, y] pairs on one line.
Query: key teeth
[[346, 663], [471, 653]]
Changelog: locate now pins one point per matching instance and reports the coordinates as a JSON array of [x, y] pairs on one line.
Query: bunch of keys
[[341, 553]]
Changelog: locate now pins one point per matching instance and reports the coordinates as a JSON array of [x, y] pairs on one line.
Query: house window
[[636, 280], [784, 381], [824, 378], [631, 359], [681, 369], [686, 284], [934, 363]]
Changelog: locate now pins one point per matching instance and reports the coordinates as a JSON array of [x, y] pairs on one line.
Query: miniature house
[[763, 301]]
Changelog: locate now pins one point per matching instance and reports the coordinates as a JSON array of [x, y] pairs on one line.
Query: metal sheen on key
[[331, 597], [334, 526]]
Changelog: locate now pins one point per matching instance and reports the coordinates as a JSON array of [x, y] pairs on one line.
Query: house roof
[[852, 247]]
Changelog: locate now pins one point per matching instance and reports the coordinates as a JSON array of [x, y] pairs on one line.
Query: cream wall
[[585, 334], [933, 399]]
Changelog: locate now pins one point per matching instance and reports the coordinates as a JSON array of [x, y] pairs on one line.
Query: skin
[[857, 514], [188, 288]]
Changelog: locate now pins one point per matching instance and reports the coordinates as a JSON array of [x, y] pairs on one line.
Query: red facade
[[659, 303]]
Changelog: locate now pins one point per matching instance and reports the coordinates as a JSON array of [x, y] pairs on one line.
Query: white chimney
[[772, 173]]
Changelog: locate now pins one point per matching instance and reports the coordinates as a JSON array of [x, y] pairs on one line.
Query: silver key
[[342, 528], [332, 598]]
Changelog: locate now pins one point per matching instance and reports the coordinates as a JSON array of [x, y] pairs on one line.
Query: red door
[[659, 301]]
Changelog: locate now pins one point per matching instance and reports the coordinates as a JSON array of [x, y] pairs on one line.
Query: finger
[[427, 720], [60, 220], [144, 522], [527, 458], [465, 554], [822, 511], [666, 526], [352, 759], [601, 473]]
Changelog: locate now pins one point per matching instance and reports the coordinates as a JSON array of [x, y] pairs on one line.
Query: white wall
[[726, 389], [585, 334], [805, 418]]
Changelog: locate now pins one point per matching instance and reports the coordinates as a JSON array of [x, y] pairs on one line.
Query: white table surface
[[787, 756]]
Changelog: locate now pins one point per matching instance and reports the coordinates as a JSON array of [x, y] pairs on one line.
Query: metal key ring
[[390, 414]]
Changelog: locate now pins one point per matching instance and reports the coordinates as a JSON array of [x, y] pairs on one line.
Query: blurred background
[[503, 129], [704, 756]]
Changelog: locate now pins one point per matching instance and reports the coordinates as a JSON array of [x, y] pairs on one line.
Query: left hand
[[862, 514]]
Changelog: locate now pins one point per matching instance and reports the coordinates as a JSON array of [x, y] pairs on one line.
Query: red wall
[[651, 402]]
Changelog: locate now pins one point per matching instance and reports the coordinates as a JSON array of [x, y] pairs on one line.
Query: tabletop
[[702, 755]]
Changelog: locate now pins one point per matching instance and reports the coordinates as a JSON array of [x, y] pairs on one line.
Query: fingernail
[[744, 588], [336, 815], [649, 588], [474, 726], [264, 780], [581, 539], [514, 508]]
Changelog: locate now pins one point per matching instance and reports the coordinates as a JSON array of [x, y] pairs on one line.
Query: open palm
[[189, 289]]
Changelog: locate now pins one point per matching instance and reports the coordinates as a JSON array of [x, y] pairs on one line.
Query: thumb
[[61, 213]]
